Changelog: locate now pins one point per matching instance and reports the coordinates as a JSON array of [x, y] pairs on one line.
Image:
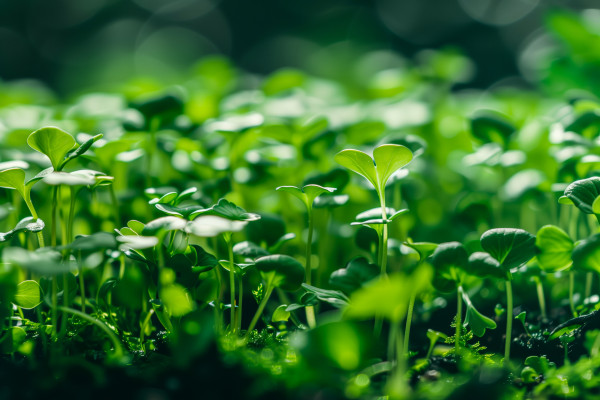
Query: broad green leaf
[[249, 249], [511, 247], [586, 255], [212, 225], [359, 162], [28, 295], [491, 126], [583, 193], [425, 249], [13, 178], [28, 224], [177, 299], [53, 142], [478, 322], [596, 205], [388, 159], [374, 213], [94, 242], [356, 273], [227, 209], [46, 262], [334, 297], [540, 364], [164, 224], [482, 264], [281, 271], [280, 314], [68, 179], [331, 201], [41, 175], [449, 261], [388, 297], [554, 248], [137, 242]]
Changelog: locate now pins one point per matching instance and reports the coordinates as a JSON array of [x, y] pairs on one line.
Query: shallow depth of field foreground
[[328, 203]]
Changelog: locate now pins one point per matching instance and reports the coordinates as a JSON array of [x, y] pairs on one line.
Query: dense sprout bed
[[294, 237]]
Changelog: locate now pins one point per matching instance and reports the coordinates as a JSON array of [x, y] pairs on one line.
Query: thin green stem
[[509, 321], [115, 204], [240, 303], [572, 292], [54, 306], [111, 335], [409, 315], [541, 297], [458, 321], [397, 386], [310, 310], [232, 318], [589, 280], [143, 327], [71, 216], [81, 283], [218, 309], [27, 198], [260, 309]]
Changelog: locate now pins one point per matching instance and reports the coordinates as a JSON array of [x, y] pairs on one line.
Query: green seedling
[[511, 248], [386, 160], [277, 271], [307, 195], [452, 264], [554, 250]]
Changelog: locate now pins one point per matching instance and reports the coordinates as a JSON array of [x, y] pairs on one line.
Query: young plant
[[307, 195], [277, 271], [511, 248], [452, 264], [386, 160]]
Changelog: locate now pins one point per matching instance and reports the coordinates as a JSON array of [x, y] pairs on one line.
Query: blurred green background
[[75, 45]]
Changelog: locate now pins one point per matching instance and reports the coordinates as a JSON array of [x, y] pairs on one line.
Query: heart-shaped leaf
[[28, 295], [554, 249], [511, 247], [307, 194], [53, 142], [583, 193], [388, 158], [586, 255], [449, 260]]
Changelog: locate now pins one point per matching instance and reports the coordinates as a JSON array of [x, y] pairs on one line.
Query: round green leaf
[[356, 274], [28, 295], [280, 314], [586, 255], [511, 247], [482, 264], [554, 248], [583, 193], [283, 271], [53, 142]]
